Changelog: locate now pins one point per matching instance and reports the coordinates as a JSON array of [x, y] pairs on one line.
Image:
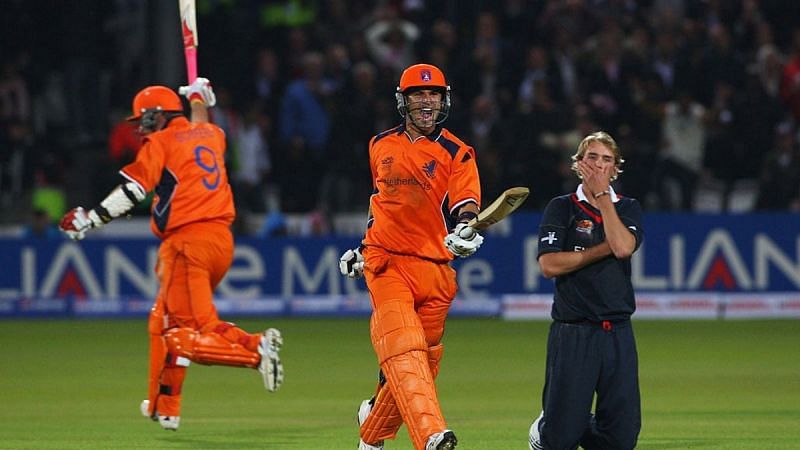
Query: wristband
[[466, 216], [600, 194]]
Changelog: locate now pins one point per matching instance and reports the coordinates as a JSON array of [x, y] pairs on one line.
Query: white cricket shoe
[[363, 411], [270, 366], [445, 440], [534, 435], [167, 422]]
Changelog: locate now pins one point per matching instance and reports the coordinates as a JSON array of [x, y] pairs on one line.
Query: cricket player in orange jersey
[[182, 162], [426, 188]]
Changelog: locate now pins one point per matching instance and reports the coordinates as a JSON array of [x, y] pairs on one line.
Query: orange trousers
[[410, 299], [191, 263]]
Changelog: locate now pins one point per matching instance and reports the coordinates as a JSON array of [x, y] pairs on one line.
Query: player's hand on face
[[351, 264], [595, 178], [463, 241], [75, 223]]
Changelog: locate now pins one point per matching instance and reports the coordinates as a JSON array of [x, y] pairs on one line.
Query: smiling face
[[423, 109]]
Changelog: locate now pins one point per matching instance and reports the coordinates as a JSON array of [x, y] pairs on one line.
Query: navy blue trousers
[[584, 359]]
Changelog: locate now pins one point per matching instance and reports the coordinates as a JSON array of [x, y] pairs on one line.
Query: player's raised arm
[[201, 97]]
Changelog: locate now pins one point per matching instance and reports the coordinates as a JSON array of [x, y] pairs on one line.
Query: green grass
[[78, 384]]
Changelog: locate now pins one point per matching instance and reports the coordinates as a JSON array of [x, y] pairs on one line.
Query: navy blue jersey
[[602, 290]]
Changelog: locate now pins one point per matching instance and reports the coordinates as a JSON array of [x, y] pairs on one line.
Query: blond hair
[[605, 139]]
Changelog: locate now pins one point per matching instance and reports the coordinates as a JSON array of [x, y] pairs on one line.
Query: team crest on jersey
[[425, 74], [584, 226], [429, 168], [387, 162]]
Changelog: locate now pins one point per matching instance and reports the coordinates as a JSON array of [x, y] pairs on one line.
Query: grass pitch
[[77, 385]]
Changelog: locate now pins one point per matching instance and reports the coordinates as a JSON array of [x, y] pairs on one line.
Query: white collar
[[582, 196]]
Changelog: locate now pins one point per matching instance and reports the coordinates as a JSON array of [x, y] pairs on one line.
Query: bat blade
[[500, 208], [189, 33]]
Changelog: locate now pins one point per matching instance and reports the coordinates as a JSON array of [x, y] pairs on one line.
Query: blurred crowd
[[703, 96]]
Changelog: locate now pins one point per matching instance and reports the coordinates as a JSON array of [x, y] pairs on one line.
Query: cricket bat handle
[[191, 63]]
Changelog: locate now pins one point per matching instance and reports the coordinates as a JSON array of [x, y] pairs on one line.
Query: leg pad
[[209, 348], [385, 420], [409, 379]]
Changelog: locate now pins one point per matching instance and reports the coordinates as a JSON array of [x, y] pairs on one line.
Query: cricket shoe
[[270, 366], [170, 423], [363, 412], [445, 440], [534, 435]]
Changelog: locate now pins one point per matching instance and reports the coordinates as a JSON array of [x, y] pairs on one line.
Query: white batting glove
[[199, 89], [351, 264], [463, 241], [75, 223]]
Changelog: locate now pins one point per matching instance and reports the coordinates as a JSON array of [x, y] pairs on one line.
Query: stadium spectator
[[183, 163], [48, 193], [15, 101], [682, 151], [586, 240], [268, 83], [488, 75], [420, 171], [391, 40], [124, 142], [488, 134], [769, 61], [790, 84], [253, 160], [303, 107], [41, 227], [345, 183], [779, 184]]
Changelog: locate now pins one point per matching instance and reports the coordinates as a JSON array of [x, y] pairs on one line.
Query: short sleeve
[[553, 227]]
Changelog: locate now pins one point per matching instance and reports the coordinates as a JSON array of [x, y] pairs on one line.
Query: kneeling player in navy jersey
[[586, 240]]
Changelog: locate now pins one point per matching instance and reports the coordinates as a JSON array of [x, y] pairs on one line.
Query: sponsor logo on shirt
[[584, 226], [397, 181]]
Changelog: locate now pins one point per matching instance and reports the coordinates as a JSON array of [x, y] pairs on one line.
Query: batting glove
[[351, 264], [200, 89], [75, 223], [463, 241]]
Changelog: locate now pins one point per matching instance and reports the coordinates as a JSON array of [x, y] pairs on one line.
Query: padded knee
[[396, 330], [208, 348]]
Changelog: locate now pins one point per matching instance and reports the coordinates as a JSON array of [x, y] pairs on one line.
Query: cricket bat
[[501, 207], [189, 32]]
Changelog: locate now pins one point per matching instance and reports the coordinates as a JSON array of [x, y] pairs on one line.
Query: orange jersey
[[185, 165], [417, 188]]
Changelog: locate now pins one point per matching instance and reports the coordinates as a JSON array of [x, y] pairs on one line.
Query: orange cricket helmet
[[423, 76], [156, 99]]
